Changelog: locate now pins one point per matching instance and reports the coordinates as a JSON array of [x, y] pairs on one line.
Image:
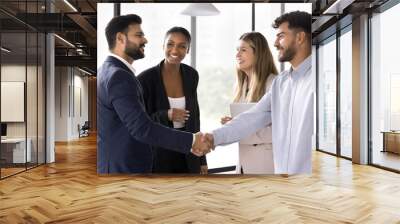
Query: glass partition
[[22, 90], [13, 107]]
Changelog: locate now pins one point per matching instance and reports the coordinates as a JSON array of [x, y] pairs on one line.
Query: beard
[[287, 54], [133, 50]]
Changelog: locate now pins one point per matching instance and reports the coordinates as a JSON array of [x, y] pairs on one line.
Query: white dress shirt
[[289, 106]]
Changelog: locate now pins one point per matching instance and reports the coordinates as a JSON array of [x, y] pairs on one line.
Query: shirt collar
[[302, 68], [125, 62]]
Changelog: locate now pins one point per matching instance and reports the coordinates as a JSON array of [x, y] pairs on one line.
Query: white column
[[50, 100]]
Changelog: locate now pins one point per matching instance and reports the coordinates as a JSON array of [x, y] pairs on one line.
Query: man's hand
[[208, 138], [200, 147], [225, 119], [178, 115], [204, 169]]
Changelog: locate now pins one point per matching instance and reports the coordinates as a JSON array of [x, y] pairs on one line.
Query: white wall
[[71, 94], [17, 73], [33, 126], [61, 103]]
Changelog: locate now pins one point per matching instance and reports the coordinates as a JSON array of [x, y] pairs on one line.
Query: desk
[[13, 150], [391, 141]]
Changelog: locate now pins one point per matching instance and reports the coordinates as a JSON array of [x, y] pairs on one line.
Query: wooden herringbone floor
[[70, 191]]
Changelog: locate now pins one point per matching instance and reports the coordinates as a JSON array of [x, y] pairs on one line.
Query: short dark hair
[[296, 20], [120, 24], [181, 30]]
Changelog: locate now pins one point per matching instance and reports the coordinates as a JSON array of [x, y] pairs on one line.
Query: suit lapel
[[186, 86], [120, 64], [164, 102]]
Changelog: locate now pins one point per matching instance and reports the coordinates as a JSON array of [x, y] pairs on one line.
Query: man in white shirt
[[289, 105]]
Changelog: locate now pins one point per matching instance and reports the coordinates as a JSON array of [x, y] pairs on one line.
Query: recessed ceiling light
[[84, 71], [5, 49], [70, 5], [64, 40]]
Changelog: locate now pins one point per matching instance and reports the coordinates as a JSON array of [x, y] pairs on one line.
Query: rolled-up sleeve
[[245, 124]]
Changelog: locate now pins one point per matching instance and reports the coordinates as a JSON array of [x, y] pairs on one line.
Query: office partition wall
[[22, 65]]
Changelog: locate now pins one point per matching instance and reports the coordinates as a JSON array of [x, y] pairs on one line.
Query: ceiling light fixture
[[200, 9], [84, 71], [70, 5], [64, 40], [5, 50], [338, 6]]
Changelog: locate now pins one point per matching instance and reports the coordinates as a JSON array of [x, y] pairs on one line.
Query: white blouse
[[179, 103]]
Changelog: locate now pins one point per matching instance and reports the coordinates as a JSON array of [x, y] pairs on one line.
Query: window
[[385, 85], [217, 39], [157, 19], [266, 13], [265, 16], [346, 93], [327, 95], [106, 10]]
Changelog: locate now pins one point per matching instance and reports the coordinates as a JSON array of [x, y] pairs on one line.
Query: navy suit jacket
[[124, 128]]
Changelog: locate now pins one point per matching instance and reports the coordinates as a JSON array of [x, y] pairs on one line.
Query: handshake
[[203, 144]]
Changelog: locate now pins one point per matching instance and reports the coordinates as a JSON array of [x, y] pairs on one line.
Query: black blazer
[[157, 104], [124, 127]]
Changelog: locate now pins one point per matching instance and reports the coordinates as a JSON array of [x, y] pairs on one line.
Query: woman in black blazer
[[170, 96]]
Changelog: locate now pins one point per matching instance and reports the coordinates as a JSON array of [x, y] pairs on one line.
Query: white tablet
[[238, 108]]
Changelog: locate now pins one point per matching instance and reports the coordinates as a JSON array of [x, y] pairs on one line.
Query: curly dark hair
[[296, 20]]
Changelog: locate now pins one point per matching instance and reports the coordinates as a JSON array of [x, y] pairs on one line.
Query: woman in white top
[[255, 73]]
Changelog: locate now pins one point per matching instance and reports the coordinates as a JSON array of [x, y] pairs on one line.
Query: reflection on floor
[[10, 169], [387, 159]]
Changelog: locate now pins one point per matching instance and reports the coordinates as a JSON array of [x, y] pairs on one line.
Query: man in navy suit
[[124, 128]]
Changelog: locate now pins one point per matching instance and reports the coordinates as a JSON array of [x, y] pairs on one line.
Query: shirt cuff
[[169, 114], [217, 137]]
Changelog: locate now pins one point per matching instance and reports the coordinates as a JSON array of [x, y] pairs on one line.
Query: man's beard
[[288, 54], [133, 51]]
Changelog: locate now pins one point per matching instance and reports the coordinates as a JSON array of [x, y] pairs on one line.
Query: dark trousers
[[167, 161]]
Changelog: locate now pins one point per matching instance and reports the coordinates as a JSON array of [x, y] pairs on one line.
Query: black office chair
[[84, 130]]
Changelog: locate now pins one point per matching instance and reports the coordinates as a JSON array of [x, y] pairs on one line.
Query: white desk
[[17, 146]]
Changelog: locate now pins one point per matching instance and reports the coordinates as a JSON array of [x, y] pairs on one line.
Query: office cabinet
[[391, 141]]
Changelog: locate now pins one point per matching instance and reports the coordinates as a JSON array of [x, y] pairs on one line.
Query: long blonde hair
[[263, 67]]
